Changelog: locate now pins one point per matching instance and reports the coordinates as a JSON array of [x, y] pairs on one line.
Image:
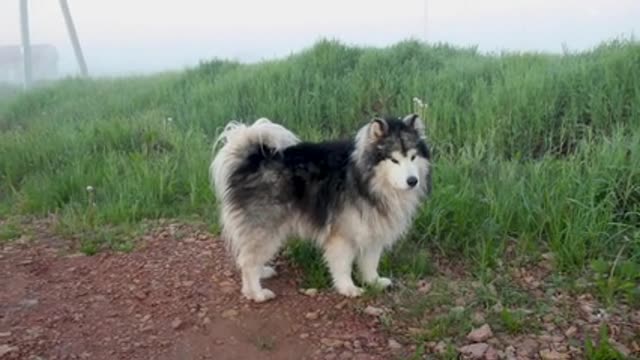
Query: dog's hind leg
[[339, 254], [252, 258]]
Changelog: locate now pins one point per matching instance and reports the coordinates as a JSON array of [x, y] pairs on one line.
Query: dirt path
[[176, 297]]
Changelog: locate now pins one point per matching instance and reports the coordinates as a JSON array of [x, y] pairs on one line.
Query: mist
[[121, 37]]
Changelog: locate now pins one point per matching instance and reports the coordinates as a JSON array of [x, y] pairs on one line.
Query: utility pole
[[26, 43], [74, 37]]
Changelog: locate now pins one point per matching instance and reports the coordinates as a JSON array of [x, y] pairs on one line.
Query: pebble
[[6, 349], [332, 343], [480, 334], [373, 311], [312, 315], [229, 313], [310, 292], [423, 286], [29, 302], [176, 324], [5, 334], [553, 355], [571, 331], [394, 345], [491, 354], [474, 351]]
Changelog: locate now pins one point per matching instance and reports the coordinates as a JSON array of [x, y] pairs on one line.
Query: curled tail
[[237, 141]]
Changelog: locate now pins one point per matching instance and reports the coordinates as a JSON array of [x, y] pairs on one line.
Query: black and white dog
[[354, 198]]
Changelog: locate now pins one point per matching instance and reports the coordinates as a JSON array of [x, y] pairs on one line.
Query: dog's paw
[[382, 282], [267, 272], [351, 291], [259, 296]]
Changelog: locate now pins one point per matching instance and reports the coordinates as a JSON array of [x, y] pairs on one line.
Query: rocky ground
[[176, 296]]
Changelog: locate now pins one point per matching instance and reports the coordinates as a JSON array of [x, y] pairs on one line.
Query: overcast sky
[[134, 36]]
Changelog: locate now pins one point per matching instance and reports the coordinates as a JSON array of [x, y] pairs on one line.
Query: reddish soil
[[174, 297]]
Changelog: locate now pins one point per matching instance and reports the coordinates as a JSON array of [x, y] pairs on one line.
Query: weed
[[603, 350], [9, 231]]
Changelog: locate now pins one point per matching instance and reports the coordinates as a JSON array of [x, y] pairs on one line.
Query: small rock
[[527, 348], [332, 343], [6, 349], [188, 283], [341, 304], [478, 317], [347, 355], [311, 315], [304, 336], [394, 345], [553, 355], [480, 334], [146, 318], [373, 311], [140, 295], [229, 313], [510, 353], [571, 331], [5, 334], [29, 302], [423, 286], [176, 324], [491, 354], [310, 292], [440, 348], [474, 351]]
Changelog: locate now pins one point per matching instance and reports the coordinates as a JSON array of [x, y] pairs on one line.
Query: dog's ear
[[378, 128], [415, 122]]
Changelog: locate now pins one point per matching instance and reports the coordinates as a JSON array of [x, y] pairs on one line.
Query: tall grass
[[533, 149]]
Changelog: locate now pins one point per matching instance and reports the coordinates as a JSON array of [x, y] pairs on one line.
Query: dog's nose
[[412, 181]]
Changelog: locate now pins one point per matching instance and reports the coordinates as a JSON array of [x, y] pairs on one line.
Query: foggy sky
[[125, 36]]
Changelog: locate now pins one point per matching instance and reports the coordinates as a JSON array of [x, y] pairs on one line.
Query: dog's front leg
[[368, 260], [339, 254]]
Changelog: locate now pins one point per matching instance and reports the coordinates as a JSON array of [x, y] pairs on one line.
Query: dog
[[353, 197]]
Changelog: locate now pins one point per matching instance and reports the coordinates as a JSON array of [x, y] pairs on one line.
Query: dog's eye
[[395, 161], [413, 157]]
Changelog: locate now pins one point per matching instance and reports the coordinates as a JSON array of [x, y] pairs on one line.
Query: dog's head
[[395, 151]]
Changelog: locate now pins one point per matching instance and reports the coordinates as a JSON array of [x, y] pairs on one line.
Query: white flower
[[90, 188]]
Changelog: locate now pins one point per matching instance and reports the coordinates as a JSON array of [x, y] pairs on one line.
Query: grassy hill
[[534, 153]]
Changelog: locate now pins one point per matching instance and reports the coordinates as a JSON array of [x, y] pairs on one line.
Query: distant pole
[[26, 43], [74, 37]]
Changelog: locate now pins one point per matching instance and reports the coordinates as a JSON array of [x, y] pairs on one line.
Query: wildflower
[[419, 103]]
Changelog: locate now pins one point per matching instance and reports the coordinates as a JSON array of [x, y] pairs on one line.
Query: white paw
[[350, 291], [267, 272], [382, 282], [259, 296]]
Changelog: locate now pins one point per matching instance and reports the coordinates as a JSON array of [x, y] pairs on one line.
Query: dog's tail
[[237, 141]]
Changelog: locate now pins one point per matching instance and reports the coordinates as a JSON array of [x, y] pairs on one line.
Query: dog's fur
[[354, 197]]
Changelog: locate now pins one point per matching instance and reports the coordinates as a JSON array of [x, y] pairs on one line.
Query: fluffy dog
[[354, 198]]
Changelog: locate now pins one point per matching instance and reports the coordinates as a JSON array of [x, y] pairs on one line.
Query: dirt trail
[[175, 297]]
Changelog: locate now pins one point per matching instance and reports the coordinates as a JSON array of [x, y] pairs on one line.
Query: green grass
[[534, 148], [9, 231], [602, 349]]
